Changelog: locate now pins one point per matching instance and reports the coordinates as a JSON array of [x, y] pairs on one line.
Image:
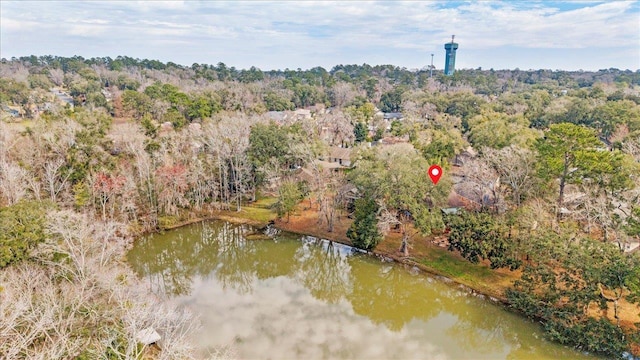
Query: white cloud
[[329, 33], [86, 30], [95, 21], [10, 24]]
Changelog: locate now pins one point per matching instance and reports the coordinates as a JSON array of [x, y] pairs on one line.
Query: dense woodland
[[546, 164]]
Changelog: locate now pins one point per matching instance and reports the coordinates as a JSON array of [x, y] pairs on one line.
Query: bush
[[559, 292], [21, 229], [479, 236], [596, 336], [167, 221]]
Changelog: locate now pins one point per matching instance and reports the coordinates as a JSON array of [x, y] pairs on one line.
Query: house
[[305, 175], [148, 336], [302, 114], [392, 116], [277, 116], [630, 246], [340, 155], [11, 110], [63, 97], [464, 156], [318, 109], [348, 194], [450, 211], [391, 140]]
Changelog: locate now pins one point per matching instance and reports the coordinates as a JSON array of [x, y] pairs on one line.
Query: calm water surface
[[304, 298]]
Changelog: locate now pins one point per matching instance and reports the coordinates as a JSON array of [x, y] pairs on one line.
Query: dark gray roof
[[392, 115]]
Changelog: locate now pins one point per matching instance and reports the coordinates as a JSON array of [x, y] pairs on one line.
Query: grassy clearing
[[477, 276], [258, 212], [445, 262], [440, 261]]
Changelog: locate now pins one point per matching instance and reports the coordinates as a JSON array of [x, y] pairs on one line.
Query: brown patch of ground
[[628, 313], [305, 221], [120, 120]]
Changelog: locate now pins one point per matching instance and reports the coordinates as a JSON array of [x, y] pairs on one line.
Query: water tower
[[450, 61]]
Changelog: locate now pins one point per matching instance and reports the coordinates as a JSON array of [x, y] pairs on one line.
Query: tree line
[[546, 160]]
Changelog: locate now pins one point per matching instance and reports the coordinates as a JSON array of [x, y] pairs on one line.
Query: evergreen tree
[[363, 232], [360, 132]]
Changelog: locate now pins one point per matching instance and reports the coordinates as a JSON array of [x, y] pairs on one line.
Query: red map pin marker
[[435, 172]]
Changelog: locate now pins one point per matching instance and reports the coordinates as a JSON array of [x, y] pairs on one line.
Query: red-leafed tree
[[172, 186], [105, 187]]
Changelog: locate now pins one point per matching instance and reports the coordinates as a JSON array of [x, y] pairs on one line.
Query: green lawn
[[259, 211], [445, 262], [478, 276]]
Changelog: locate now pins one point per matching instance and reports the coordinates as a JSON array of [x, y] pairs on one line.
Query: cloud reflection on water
[[312, 299]]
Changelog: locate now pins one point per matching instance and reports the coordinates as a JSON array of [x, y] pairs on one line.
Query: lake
[[299, 297]]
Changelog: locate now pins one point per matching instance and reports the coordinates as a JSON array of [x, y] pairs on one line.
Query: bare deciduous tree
[[44, 303], [516, 168], [327, 187], [632, 147], [481, 184], [55, 180], [145, 178], [336, 129], [56, 76], [342, 94], [13, 182], [228, 141]]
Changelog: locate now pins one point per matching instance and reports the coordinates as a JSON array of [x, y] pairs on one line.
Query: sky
[[572, 35]]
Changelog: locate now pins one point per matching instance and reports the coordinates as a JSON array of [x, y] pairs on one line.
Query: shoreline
[[280, 225], [494, 297], [471, 279]]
